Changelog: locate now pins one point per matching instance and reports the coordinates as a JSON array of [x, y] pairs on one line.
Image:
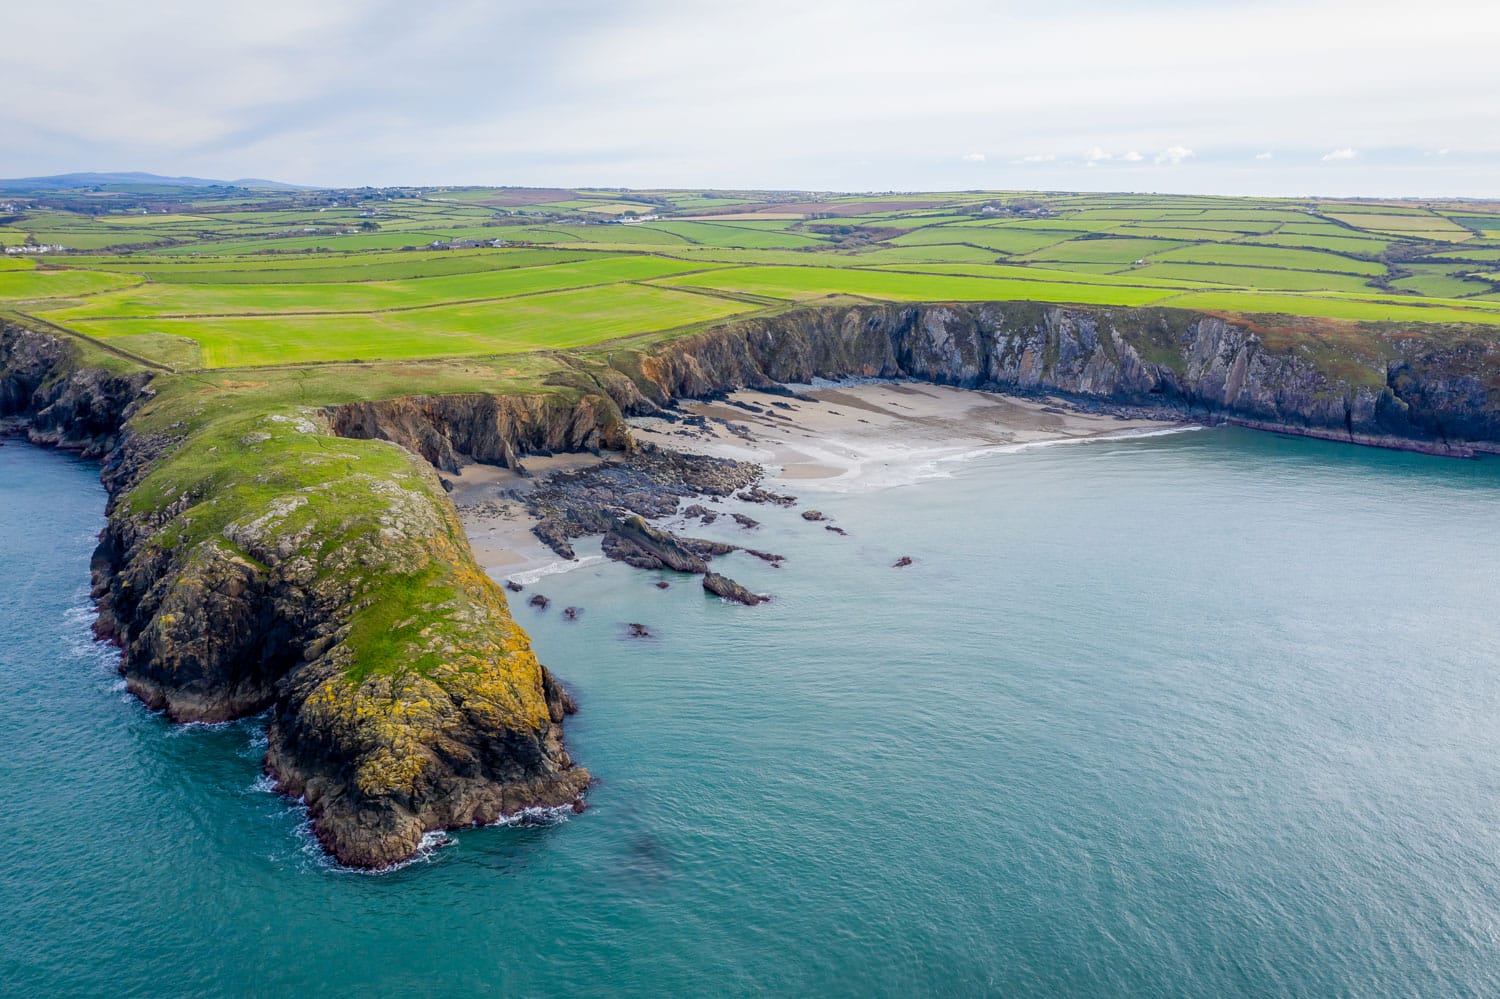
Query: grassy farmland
[[225, 278]]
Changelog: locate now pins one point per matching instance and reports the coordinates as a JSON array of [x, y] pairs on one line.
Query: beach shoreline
[[830, 438]]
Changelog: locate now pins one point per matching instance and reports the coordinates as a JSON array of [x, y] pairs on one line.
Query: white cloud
[[973, 157], [1174, 154], [1340, 154], [305, 92], [1263, 156], [1097, 154], [1132, 157]]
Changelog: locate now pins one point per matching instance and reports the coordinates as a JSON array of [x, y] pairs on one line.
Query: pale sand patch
[[809, 470], [499, 529], [850, 437], [876, 435]]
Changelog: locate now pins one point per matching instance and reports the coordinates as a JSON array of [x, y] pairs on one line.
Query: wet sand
[[854, 437], [499, 529], [842, 438]]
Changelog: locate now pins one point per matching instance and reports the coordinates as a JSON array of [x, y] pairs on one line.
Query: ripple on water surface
[[1204, 714]]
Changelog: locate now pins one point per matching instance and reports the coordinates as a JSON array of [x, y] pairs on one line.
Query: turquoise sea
[[1214, 713]]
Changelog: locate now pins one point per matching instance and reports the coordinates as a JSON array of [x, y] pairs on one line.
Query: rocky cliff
[[493, 429], [1430, 388], [263, 555], [253, 559], [61, 398]]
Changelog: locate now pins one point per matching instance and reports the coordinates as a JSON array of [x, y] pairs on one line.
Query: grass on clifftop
[[257, 310], [200, 280]]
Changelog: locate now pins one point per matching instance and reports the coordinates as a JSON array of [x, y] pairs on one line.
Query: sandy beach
[[872, 436], [499, 528], [842, 438]]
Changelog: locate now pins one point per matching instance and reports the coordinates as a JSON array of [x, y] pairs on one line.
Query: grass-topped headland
[[279, 537]]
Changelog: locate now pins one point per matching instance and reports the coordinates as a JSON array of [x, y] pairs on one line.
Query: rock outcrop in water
[[295, 560], [648, 480], [728, 589], [256, 560], [633, 541]]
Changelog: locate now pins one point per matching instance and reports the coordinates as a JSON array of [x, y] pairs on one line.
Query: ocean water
[[1215, 713]]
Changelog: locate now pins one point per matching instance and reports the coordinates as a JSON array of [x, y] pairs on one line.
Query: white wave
[[79, 640], [184, 728], [903, 466], [1123, 435], [537, 815], [312, 850], [264, 784], [554, 569]]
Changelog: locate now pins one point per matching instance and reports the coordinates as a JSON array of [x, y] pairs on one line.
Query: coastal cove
[[1199, 713], [264, 552]]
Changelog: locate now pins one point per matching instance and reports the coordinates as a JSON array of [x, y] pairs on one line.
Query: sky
[[1262, 97]]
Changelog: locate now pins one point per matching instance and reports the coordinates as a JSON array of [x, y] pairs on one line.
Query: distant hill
[[74, 181]]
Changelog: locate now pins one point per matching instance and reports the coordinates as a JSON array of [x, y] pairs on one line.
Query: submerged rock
[[728, 589], [513, 586], [571, 613], [748, 523], [637, 630], [902, 562], [662, 584], [703, 513], [755, 494], [813, 515], [539, 602]]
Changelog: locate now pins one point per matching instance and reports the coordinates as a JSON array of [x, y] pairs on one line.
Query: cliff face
[[297, 560], [61, 401], [255, 559], [1434, 389], [260, 561], [490, 428]]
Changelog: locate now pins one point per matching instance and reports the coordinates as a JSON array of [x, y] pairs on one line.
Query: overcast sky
[[1333, 97]]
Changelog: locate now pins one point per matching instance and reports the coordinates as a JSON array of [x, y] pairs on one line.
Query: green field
[[235, 279]]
